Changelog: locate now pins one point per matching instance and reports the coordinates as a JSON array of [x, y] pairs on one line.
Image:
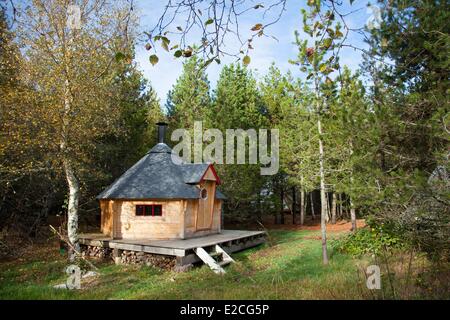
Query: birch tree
[[318, 62], [70, 58]]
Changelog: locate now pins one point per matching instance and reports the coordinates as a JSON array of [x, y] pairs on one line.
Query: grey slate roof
[[193, 172], [160, 174]]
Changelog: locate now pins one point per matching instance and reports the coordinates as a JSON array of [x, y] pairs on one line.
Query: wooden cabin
[[162, 197]]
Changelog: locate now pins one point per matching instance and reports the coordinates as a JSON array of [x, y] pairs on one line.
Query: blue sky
[[163, 75]]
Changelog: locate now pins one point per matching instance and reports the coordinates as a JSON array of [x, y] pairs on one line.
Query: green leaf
[[327, 43], [322, 67], [246, 60], [165, 46], [154, 59], [330, 32], [165, 40], [178, 53], [208, 62], [119, 56], [209, 21]]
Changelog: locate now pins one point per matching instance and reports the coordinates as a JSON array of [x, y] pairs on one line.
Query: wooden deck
[[230, 240]]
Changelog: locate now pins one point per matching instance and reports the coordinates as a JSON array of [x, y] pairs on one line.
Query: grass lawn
[[289, 267]]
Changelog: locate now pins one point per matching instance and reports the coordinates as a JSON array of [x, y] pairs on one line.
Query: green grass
[[288, 268]]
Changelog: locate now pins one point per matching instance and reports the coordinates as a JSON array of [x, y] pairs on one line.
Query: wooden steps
[[215, 259]]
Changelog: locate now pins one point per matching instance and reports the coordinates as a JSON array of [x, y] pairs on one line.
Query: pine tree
[[139, 111], [237, 105], [280, 96], [189, 98]]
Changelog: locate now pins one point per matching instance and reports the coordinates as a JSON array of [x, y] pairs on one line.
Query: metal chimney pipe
[[161, 131]]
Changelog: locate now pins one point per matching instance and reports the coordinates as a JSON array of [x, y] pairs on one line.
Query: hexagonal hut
[[161, 197], [163, 207]]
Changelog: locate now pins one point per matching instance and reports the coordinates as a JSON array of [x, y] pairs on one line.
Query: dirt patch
[[314, 225]]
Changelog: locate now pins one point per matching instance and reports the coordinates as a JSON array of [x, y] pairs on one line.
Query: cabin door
[[206, 205]]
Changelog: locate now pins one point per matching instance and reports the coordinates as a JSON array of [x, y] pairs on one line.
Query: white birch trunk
[[72, 210], [72, 180], [323, 198]]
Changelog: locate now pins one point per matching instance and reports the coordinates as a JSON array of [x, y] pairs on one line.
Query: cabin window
[[157, 210], [204, 194], [153, 210]]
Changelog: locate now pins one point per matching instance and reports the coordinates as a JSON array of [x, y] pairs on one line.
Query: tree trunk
[[323, 198], [352, 215], [72, 209], [72, 180], [302, 207], [340, 206], [352, 207], [327, 217], [294, 204], [333, 209], [311, 198], [282, 206], [259, 209], [347, 210]]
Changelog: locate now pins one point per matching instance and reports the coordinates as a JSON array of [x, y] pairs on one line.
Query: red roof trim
[[214, 173]]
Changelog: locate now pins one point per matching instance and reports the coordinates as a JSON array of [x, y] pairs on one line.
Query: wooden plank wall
[[190, 216], [106, 221], [129, 226]]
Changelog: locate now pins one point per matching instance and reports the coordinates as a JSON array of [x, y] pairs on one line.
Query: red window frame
[[147, 210]]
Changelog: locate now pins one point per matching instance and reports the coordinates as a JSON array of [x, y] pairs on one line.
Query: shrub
[[371, 239]]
